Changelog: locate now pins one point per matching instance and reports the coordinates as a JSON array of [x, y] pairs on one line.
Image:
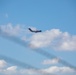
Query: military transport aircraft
[[35, 31]]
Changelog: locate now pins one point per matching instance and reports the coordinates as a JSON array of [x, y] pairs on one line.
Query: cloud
[[66, 42], [15, 70], [29, 71], [10, 70], [50, 61], [2, 63], [62, 70], [51, 70], [6, 70], [10, 29], [54, 39], [44, 39], [14, 30]]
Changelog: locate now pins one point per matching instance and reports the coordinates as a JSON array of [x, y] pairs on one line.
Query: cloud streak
[[53, 70]]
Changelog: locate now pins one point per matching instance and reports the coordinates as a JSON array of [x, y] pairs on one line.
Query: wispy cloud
[[51, 61], [13, 30], [10, 29]]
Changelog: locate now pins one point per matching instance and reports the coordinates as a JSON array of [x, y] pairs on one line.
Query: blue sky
[[56, 19]]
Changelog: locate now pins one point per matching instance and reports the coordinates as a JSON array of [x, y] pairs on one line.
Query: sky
[[50, 51]]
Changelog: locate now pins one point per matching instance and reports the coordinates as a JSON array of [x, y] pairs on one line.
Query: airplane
[[35, 31]]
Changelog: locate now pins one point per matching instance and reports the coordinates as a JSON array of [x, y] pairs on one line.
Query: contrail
[[49, 55], [24, 65], [40, 51]]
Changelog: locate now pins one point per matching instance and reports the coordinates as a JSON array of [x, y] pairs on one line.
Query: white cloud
[[10, 29], [67, 70], [67, 42], [50, 61], [59, 70], [29, 71], [10, 70], [45, 38], [14, 70], [2, 63], [54, 39], [14, 30]]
